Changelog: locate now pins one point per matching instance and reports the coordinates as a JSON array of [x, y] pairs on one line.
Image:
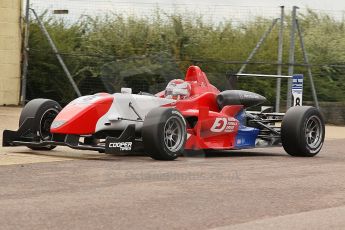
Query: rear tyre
[[164, 134], [303, 131], [44, 112]]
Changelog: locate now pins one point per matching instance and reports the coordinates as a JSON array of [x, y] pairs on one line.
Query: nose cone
[[239, 97], [81, 115]]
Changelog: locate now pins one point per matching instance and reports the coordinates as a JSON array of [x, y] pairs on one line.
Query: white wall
[[10, 40]]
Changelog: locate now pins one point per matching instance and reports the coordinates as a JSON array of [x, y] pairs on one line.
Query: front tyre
[[164, 133], [44, 112], [303, 131]]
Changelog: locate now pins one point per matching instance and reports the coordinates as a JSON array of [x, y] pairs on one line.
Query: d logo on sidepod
[[223, 124]]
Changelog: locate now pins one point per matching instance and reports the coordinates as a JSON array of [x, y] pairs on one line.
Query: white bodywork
[[120, 110]]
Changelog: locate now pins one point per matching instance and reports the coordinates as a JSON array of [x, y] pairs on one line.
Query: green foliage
[[116, 50]]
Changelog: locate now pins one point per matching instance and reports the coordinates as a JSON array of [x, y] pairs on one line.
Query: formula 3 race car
[[189, 114]]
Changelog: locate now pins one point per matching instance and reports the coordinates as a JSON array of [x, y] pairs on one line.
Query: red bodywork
[[208, 126], [88, 112], [215, 128]]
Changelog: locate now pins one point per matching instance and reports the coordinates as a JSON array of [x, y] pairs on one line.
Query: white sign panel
[[297, 89]]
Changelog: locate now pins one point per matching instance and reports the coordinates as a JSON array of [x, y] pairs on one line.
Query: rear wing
[[296, 89]]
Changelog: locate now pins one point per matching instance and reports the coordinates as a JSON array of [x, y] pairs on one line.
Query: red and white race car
[[190, 114]]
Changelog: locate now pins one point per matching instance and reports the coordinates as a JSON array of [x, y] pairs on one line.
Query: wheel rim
[[45, 123], [313, 132], [173, 134]]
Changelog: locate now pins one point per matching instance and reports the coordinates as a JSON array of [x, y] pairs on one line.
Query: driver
[[178, 89]]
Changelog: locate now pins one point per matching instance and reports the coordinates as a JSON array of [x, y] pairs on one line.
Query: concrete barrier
[[334, 112]]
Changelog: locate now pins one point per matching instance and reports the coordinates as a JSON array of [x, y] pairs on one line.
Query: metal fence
[[61, 72]]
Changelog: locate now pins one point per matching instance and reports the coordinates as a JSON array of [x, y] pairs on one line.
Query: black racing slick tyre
[[164, 134], [44, 112], [303, 131]]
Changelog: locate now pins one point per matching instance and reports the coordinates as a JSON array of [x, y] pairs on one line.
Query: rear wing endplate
[[296, 89]]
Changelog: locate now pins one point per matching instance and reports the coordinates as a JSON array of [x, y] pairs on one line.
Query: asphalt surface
[[252, 189]]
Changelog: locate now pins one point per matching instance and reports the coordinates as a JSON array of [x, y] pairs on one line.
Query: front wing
[[26, 136]]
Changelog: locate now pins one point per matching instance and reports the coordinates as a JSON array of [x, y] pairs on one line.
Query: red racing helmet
[[178, 89]]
